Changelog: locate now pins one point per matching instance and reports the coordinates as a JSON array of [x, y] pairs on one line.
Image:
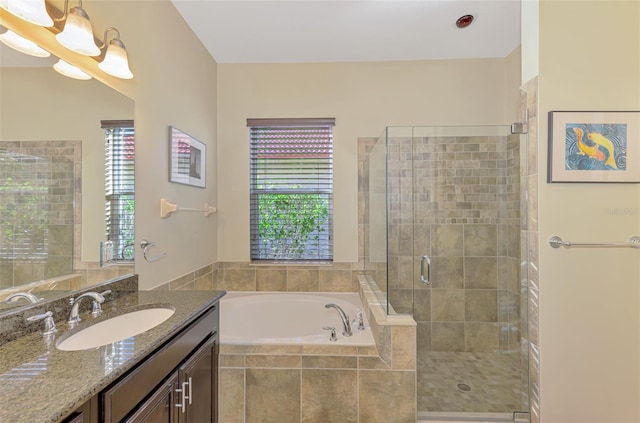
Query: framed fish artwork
[[594, 146]]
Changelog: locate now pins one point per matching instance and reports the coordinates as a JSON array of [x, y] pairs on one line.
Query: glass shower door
[[453, 217]]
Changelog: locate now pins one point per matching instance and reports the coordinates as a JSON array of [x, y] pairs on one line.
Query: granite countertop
[[41, 384]]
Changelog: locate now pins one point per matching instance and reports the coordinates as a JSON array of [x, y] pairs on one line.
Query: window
[[119, 189], [291, 190]]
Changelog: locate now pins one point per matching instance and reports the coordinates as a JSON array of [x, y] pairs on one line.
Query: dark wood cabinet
[[177, 383], [87, 413], [159, 407], [197, 382]]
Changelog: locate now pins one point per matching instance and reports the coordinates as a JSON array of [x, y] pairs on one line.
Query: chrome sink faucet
[[74, 316], [26, 295], [345, 319]]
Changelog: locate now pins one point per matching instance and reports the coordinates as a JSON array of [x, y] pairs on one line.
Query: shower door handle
[[427, 280]]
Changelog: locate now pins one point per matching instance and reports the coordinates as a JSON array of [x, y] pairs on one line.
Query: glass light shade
[[33, 11], [71, 71], [115, 61], [78, 34], [23, 45]]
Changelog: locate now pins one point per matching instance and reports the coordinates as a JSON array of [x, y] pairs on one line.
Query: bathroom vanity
[[166, 374]]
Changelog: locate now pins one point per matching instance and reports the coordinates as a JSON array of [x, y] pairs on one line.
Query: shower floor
[[469, 382]]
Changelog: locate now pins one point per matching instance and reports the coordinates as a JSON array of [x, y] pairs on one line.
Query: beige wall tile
[[271, 280], [232, 360], [480, 272], [372, 363], [329, 349], [446, 240], [482, 337], [273, 361], [387, 396], [272, 396], [239, 279], [480, 240], [329, 396], [302, 280], [481, 305], [335, 280], [204, 283], [447, 336], [447, 272], [403, 344], [329, 362], [231, 396], [447, 305], [423, 337], [422, 305]]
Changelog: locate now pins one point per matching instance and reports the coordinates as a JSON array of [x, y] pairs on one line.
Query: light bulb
[[23, 45], [71, 71], [115, 61], [77, 34]]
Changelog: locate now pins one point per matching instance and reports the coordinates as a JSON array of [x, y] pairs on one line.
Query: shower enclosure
[[441, 235]]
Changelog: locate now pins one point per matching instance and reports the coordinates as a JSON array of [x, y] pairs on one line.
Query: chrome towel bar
[[557, 242]]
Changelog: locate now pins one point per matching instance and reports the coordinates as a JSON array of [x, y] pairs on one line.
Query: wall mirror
[[54, 122]]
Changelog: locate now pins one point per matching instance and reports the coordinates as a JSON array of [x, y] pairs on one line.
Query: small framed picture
[[594, 146], [187, 159]]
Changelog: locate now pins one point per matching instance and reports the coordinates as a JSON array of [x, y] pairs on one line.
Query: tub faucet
[[345, 319], [26, 295], [74, 316]]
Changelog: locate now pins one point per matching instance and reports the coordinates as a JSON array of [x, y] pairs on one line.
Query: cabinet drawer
[[121, 398]]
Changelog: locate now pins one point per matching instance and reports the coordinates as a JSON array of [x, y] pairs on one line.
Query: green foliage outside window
[[290, 225]]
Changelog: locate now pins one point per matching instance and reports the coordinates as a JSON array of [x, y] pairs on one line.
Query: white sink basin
[[115, 329]]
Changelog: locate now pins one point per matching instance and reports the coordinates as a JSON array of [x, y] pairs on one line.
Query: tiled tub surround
[[291, 318], [245, 276], [42, 384], [324, 383]]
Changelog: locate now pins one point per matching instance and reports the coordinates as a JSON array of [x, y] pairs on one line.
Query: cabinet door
[[197, 377], [86, 413], [160, 406]]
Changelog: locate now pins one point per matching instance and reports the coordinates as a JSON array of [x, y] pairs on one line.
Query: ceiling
[[299, 31]]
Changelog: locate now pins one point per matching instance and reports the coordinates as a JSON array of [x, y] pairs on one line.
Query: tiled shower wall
[[456, 199], [54, 169], [36, 210]]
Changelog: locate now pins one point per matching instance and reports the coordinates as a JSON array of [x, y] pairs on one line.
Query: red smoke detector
[[464, 21]]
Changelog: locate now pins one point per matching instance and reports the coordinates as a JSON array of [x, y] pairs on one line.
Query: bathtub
[[288, 318]]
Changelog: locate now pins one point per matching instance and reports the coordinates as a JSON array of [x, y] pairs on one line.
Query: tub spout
[[345, 319]]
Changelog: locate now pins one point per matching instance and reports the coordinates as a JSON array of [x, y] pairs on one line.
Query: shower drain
[[463, 387]]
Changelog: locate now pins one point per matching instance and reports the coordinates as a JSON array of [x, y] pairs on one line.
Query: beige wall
[[38, 104], [589, 59], [364, 98], [174, 84]]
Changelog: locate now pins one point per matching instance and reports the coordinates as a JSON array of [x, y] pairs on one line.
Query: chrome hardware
[[557, 242], [333, 337], [25, 295], [96, 308], [426, 281], [49, 323], [190, 391], [183, 394], [345, 319], [145, 245], [359, 320], [74, 317]]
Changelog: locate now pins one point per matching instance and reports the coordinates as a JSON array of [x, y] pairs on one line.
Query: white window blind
[[291, 189], [120, 187]]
